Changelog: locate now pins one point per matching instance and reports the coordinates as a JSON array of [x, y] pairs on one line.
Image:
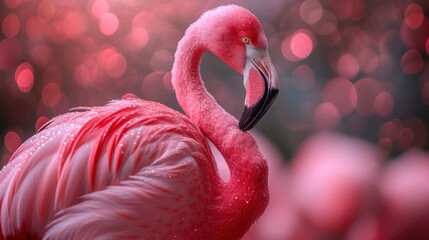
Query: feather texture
[[85, 167]]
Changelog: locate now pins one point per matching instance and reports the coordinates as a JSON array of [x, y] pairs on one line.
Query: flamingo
[[343, 166], [404, 196], [136, 169], [325, 193]]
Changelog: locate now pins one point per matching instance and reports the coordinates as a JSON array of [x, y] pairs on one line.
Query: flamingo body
[[114, 167], [135, 169], [404, 191]]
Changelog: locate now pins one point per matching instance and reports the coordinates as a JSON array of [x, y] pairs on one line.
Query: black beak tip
[[246, 122], [251, 115]]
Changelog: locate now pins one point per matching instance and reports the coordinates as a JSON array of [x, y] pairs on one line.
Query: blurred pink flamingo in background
[[400, 207], [333, 179], [404, 198], [329, 184], [137, 169], [341, 187]]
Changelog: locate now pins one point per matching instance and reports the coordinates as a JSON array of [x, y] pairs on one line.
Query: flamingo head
[[235, 35]]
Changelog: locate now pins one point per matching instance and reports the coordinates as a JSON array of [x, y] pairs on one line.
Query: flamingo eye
[[245, 40]]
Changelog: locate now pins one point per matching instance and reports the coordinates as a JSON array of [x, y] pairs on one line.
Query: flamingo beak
[[261, 83]]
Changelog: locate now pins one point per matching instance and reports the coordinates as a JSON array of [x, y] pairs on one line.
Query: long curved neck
[[245, 196]]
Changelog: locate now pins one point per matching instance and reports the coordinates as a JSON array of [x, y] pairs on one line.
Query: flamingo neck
[[244, 197]]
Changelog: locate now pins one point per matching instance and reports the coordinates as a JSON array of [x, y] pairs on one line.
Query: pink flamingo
[[327, 188], [404, 197], [329, 165], [135, 169]]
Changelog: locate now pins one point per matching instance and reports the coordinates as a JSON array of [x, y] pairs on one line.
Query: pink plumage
[[135, 169]]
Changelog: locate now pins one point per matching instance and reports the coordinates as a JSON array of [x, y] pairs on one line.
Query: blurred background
[[352, 73]]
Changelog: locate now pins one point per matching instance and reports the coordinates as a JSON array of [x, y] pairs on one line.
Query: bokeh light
[[342, 93], [24, 77], [109, 23], [311, 11], [299, 46], [326, 116], [11, 25], [12, 4], [414, 16], [99, 7], [12, 141], [383, 103], [412, 62], [35, 28], [74, 24], [348, 66]]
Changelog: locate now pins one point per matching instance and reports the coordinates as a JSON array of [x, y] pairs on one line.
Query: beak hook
[[252, 114]]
